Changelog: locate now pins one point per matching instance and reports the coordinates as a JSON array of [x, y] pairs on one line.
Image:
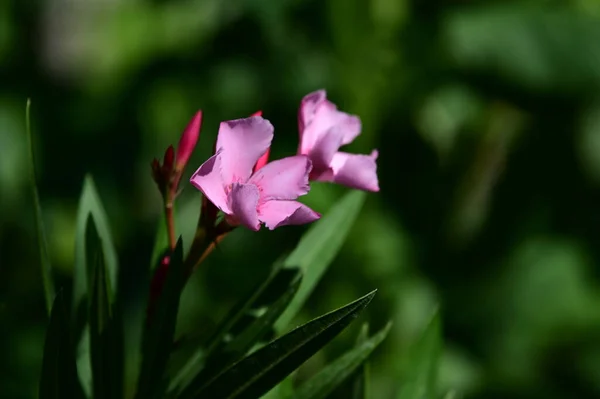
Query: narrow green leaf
[[250, 335], [160, 329], [257, 373], [283, 390], [59, 373], [89, 204], [39, 220], [360, 383], [322, 384], [421, 379], [233, 321], [105, 336], [255, 331], [317, 249]]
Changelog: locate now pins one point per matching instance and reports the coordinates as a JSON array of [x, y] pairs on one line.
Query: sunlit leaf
[[420, 381], [39, 221], [257, 373], [317, 249], [59, 373], [322, 384]]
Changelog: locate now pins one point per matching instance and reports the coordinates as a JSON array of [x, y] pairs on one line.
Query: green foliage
[[106, 345], [46, 267], [329, 378], [59, 374], [84, 272], [160, 331], [256, 374], [420, 381], [318, 248]]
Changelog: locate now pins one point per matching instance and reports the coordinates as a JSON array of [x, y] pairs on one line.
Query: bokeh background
[[486, 115]]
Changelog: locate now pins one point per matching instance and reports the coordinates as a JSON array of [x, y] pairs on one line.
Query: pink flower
[[265, 196], [323, 130]]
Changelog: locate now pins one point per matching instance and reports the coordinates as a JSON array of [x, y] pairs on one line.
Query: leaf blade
[[317, 249], [105, 337], [59, 373], [243, 380], [45, 263], [329, 378], [160, 331], [421, 380], [89, 204]]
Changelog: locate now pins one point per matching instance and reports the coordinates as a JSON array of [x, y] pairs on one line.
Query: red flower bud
[[188, 141]]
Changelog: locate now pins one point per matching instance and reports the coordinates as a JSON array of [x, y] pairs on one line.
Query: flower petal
[[317, 115], [280, 213], [325, 148], [242, 142], [284, 179], [308, 107], [244, 201], [355, 171], [208, 180]]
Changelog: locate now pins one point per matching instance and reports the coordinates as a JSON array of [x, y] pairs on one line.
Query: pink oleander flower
[[323, 130], [251, 198]]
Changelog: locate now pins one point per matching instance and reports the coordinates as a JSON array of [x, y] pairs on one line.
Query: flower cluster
[[249, 190]]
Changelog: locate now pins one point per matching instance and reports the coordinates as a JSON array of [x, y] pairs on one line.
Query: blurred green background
[[486, 115]]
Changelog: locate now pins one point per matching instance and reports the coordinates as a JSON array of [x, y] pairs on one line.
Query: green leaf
[[160, 329], [234, 321], [39, 220], [251, 333], [257, 373], [317, 249], [322, 384], [105, 335], [284, 389], [421, 379], [59, 373], [89, 203], [360, 386]]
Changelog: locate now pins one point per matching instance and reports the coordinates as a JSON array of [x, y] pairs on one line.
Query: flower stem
[[170, 220]]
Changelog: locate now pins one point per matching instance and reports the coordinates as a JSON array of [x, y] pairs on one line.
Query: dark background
[[486, 115]]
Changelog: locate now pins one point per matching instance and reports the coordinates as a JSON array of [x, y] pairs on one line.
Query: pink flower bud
[[188, 141]]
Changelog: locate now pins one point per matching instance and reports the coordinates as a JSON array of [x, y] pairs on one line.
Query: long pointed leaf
[[421, 379], [250, 335], [160, 330], [105, 337], [322, 384], [89, 204], [317, 249], [259, 372], [197, 360], [360, 384], [59, 373], [39, 220]]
